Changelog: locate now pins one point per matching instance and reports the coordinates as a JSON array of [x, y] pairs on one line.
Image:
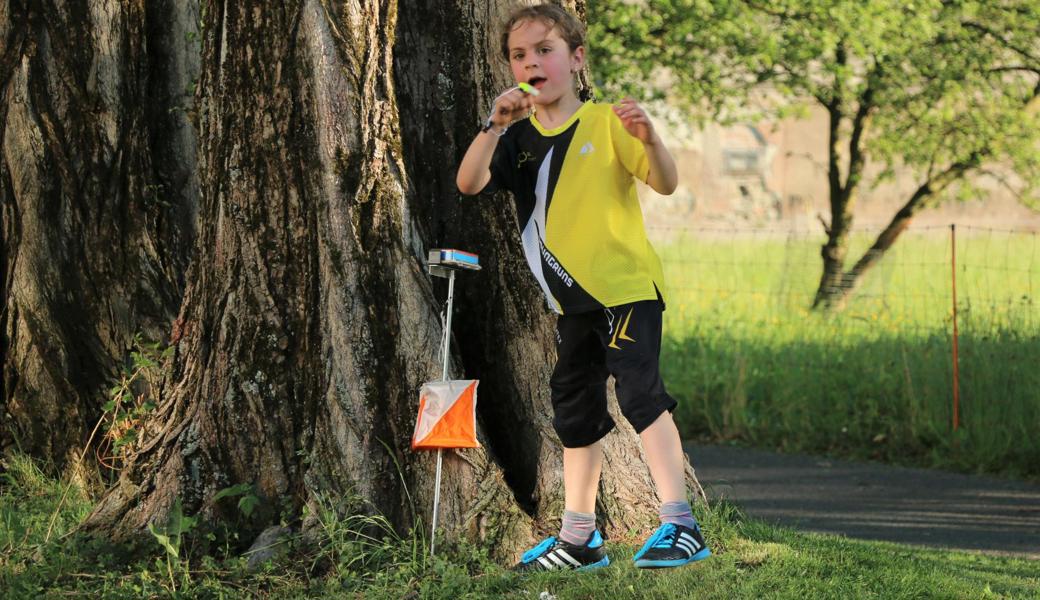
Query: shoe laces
[[538, 550], [662, 538]]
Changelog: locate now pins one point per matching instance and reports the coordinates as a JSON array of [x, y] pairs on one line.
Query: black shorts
[[623, 341]]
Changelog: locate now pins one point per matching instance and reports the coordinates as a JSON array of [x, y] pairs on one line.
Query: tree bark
[[329, 135], [834, 251], [98, 207]]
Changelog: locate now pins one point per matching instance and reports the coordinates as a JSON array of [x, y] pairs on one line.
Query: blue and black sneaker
[[672, 546], [554, 554]]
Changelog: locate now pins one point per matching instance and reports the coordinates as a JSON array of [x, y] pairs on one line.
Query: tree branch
[[902, 219], [933, 185], [834, 110], [1004, 183], [1026, 68], [1007, 44], [857, 157]]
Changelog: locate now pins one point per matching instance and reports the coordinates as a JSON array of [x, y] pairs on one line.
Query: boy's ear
[[577, 59]]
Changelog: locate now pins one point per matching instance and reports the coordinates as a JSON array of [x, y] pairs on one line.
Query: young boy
[[570, 166]]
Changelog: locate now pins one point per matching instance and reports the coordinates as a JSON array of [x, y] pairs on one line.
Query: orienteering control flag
[[447, 415]]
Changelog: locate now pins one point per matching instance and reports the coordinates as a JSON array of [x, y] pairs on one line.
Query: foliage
[[959, 78], [944, 90], [124, 412], [170, 538], [752, 560], [248, 498], [130, 401]]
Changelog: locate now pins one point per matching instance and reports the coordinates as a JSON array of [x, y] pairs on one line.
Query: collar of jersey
[[561, 128]]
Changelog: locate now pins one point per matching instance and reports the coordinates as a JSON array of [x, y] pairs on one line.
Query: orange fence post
[[956, 371]]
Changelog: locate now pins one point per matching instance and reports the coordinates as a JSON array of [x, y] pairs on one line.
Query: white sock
[[678, 513], [577, 527]]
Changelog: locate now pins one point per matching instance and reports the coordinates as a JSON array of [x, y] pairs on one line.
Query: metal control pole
[[443, 263], [445, 344], [956, 358]]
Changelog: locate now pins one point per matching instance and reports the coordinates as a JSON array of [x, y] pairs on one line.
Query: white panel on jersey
[[533, 235]]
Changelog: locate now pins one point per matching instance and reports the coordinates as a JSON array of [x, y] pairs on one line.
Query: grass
[[750, 362], [753, 560]]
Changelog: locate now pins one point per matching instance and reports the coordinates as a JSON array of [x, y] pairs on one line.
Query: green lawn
[[749, 361], [753, 560]]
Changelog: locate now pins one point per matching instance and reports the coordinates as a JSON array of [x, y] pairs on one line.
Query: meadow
[[43, 556], [750, 362]]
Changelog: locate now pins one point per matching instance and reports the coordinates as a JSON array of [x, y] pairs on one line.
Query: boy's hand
[[635, 121], [513, 104]]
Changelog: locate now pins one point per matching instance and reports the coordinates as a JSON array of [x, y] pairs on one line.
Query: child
[[570, 166]]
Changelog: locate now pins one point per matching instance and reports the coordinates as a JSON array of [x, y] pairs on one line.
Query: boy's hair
[[553, 16]]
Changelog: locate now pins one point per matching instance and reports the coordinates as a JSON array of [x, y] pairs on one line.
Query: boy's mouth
[[537, 82]]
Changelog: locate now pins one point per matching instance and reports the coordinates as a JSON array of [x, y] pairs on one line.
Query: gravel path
[[874, 501]]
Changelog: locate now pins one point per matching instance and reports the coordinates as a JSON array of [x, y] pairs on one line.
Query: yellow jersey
[[579, 214]]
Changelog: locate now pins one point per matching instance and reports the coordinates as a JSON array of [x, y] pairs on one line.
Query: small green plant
[[357, 546], [130, 401], [170, 538], [248, 500]]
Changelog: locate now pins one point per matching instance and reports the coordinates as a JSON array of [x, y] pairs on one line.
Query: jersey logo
[[587, 148], [621, 333], [524, 157]]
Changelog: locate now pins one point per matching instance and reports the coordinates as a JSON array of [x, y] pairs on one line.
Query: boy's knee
[[578, 433], [580, 414], [642, 412]]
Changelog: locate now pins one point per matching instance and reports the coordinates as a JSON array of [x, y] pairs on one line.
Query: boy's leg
[[578, 387], [579, 395], [580, 418], [664, 457], [632, 336], [581, 470]]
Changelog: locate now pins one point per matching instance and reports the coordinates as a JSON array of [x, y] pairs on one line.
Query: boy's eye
[[545, 49]]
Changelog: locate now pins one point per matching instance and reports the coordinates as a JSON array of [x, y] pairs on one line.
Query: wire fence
[[749, 357], [774, 272]]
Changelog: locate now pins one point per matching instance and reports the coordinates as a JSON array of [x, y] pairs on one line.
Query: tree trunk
[[98, 204], [840, 196], [840, 284], [329, 139]]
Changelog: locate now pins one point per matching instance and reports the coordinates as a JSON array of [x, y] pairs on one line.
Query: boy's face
[[540, 57]]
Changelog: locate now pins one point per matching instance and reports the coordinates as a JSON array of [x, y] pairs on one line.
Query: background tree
[[328, 137], [946, 90]]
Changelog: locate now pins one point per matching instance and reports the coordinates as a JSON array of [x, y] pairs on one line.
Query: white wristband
[[488, 126]]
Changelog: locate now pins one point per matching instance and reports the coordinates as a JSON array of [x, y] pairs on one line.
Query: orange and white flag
[[447, 415]]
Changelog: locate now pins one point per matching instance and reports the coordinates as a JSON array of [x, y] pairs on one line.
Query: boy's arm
[[475, 169], [662, 176]]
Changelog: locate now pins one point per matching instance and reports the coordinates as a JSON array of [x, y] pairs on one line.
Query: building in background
[[775, 175]]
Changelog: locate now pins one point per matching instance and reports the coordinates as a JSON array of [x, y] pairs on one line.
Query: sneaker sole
[[663, 564]]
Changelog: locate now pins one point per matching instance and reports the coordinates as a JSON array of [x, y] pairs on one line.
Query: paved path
[[876, 502]]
